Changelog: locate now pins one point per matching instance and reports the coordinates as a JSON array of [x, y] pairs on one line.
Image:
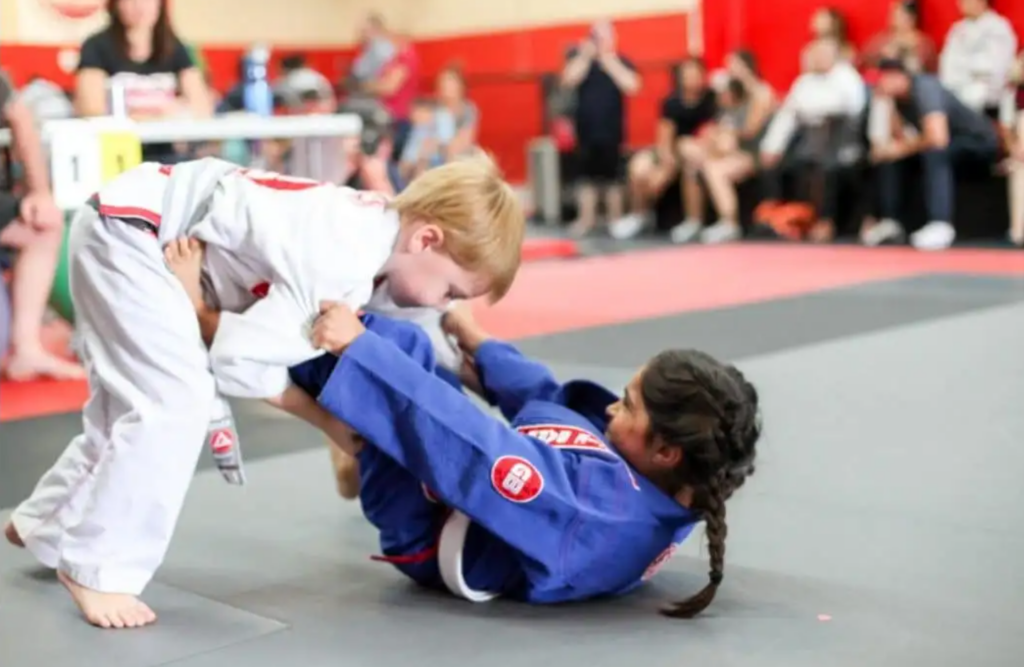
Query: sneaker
[[886, 230], [627, 227], [722, 231], [686, 231], [936, 235]]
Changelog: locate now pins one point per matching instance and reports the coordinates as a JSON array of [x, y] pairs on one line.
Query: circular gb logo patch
[[516, 479], [659, 562]]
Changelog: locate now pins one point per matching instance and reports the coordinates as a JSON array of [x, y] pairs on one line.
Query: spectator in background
[[830, 23], [903, 40], [303, 89], [683, 114], [423, 149], [140, 52], [1012, 122], [34, 227], [456, 116], [816, 134], [395, 85], [937, 127], [602, 78], [46, 100], [746, 106], [977, 57], [376, 49]]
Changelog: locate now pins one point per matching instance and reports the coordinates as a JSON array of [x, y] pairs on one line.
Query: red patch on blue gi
[[429, 495], [516, 479]]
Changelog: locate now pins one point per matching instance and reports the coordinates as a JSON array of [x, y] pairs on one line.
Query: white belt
[[449, 559]]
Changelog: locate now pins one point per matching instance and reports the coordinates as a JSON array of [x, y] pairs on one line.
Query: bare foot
[[25, 366], [108, 610], [184, 258], [346, 472], [11, 534]]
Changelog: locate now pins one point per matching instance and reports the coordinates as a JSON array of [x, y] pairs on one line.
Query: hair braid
[[710, 411]]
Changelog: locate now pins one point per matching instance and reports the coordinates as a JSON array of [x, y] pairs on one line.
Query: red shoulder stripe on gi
[[561, 436], [275, 181]]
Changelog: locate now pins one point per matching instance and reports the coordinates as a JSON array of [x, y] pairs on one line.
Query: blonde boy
[[275, 248]]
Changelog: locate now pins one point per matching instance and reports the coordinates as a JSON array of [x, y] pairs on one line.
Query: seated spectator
[[903, 40], [601, 78], [977, 57], [830, 23], [140, 52], [33, 226], [46, 100], [302, 89], [746, 105], [456, 116], [395, 86], [1012, 118], [936, 127], [423, 146], [684, 113], [815, 134]]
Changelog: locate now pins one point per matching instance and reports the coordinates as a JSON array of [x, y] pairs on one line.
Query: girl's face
[[900, 19], [139, 13], [736, 67], [449, 87], [822, 23]]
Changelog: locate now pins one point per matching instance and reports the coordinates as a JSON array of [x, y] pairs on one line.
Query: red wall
[[503, 72], [503, 68]]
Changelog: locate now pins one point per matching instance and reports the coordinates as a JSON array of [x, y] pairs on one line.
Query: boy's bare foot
[[11, 534], [33, 364], [184, 258], [346, 472], [108, 610]]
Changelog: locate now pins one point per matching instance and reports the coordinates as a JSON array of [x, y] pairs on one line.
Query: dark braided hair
[[710, 411]]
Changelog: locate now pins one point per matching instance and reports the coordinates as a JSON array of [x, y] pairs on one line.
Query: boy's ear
[[429, 237]]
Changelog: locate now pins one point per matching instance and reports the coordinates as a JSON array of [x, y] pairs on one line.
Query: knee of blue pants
[[409, 337], [408, 519]]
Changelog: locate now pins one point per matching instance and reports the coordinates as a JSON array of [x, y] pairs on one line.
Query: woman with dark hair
[[140, 54], [903, 40], [745, 107], [830, 23]]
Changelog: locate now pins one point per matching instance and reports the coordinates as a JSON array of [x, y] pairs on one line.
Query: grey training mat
[[883, 528]]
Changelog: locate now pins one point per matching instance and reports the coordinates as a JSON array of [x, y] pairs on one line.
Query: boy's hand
[[460, 324], [336, 327], [184, 257]]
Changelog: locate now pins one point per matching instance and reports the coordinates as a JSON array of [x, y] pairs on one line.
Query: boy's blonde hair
[[480, 214]]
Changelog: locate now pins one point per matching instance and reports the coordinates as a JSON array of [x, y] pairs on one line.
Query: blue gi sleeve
[[312, 375], [529, 494], [510, 379]]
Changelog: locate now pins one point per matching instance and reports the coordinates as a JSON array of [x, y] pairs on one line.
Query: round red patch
[[659, 562], [516, 479]]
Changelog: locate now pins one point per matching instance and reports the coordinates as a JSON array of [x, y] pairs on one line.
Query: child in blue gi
[[582, 494]]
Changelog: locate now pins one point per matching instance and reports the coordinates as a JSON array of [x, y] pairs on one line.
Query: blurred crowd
[[862, 119], [139, 67], [900, 119]]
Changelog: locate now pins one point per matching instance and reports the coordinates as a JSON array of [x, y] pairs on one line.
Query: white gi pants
[[105, 512]]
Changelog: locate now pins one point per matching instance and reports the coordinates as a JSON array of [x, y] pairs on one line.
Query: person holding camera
[[601, 78]]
